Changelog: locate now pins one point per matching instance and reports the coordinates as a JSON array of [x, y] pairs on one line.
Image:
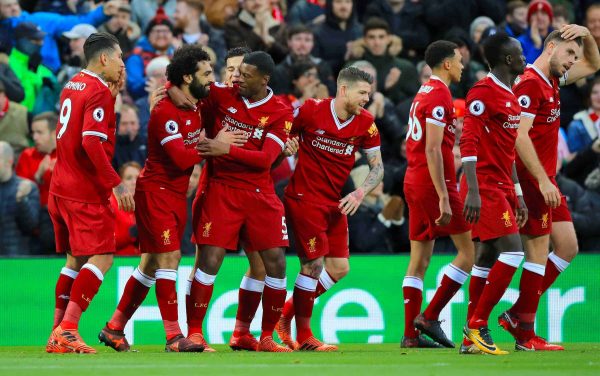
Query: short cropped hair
[[376, 23], [438, 51], [237, 51], [50, 117], [185, 61], [261, 60], [97, 44], [301, 67], [557, 38], [353, 75], [494, 48], [298, 29]]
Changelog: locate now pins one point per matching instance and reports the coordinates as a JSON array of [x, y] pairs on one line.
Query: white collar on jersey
[[262, 101], [499, 83], [90, 73], [336, 118], [540, 73], [434, 77]]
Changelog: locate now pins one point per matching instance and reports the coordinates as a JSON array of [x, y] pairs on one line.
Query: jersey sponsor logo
[[512, 123], [332, 146], [476, 107], [554, 114], [232, 110], [98, 114], [263, 121], [206, 229], [438, 113], [79, 86], [312, 244], [506, 218], [188, 122], [524, 101], [287, 127], [166, 237], [545, 220], [192, 137], [373, 131], [171, 127]]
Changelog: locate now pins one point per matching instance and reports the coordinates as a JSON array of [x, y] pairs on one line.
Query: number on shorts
[[65, 114], [415, 131]]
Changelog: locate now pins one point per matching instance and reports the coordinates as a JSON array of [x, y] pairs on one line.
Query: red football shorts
[[83, 229], [497, 215], [161, 218], [541, 215], [231, 215], [423, 207], [319, 230]]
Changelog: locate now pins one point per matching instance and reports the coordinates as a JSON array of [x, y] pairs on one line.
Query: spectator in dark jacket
[[300, 43], [255, 28], [406, 21], [584, 162], [12, 86], [123, 28], [306, 12], [333, 35], [442, 15], [130, 145], [19, 207]]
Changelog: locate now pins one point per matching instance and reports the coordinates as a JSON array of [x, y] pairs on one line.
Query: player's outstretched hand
[[349, 204], [235, 137], [212, 148], [472, 209], [445, 213], [572, 31], [550, 193], [522, 212], [124, 197], [291, 147]]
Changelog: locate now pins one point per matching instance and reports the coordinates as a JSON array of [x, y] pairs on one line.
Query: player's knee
[[313, 268], [339, 271], [486, 259]]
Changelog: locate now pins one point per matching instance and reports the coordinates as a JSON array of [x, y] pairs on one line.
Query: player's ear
[[508, 59], [187, 79], [266, 79]]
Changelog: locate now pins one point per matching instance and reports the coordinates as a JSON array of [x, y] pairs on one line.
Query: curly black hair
[[185, 61]]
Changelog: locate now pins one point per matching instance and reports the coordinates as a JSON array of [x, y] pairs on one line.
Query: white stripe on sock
[[457, 275], [252, 284], [326, 281], [306, 283], [94, 269], [69, 272], [535, 268], [169, 274], [479, 271], [143, 278], [414, 282], [276, 283], [561, 264], [189, 287], [511, 258], [205, 279]]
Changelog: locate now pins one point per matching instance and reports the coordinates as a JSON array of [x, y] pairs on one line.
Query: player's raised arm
[[590, 62], [349, 204]]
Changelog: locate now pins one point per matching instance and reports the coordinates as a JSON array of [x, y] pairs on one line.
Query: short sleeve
[[529, 95], [280, 130], [98, 111], [476, 117], [370, 140], [437, 109]]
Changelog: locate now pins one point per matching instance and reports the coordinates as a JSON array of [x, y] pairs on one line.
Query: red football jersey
[[87, 109], [490, 131], [327, 146], [27, 166], [169, 124], [267, 118], [539, 97], [432, 104]]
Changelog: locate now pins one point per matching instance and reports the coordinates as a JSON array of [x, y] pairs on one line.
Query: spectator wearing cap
[[143, 11], [193, 29], [256, 28], [76, 59], [19, 212], [300, 43], [13, 122], [515, 21], [539, 16], [478, 26], [52, 24], [126, 31], [25, 61], [157, 42]]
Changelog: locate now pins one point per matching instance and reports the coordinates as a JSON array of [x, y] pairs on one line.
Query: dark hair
[[261, 60], [438, 51], [97, 44], [298, 29], [557, 38], [376, 23], [2, 88], [237, 51], [185, 61], [49, 116], [514, 5], [494, 48], [124, 166], [352, 75], [301, 67]]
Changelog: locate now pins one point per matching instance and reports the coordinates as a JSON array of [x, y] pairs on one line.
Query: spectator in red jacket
[[126, 229]]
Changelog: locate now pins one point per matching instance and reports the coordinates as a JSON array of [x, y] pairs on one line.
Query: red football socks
[[249, 296], [479, 275], [85, 287], [166, 295], [452, 281], [200, 294], [62, 293], [272, 301], [304, 299], [134, 294], [412, 290]]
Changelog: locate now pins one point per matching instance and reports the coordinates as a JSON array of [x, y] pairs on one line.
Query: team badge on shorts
[[506, 217], [166, 237], [206, 232], [312, 244], [545, 220]]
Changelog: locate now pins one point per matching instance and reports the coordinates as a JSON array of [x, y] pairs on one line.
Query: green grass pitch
[[372, 360]]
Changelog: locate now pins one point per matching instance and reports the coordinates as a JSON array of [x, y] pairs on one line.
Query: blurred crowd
[[41, 47]]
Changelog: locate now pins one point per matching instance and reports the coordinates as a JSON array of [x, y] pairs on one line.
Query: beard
[[197, 89], [555, 68]]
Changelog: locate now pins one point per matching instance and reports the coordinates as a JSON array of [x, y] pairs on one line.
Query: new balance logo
[[65, 297], [232, 110], [188, 122], [406, 301], [320, 131]]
